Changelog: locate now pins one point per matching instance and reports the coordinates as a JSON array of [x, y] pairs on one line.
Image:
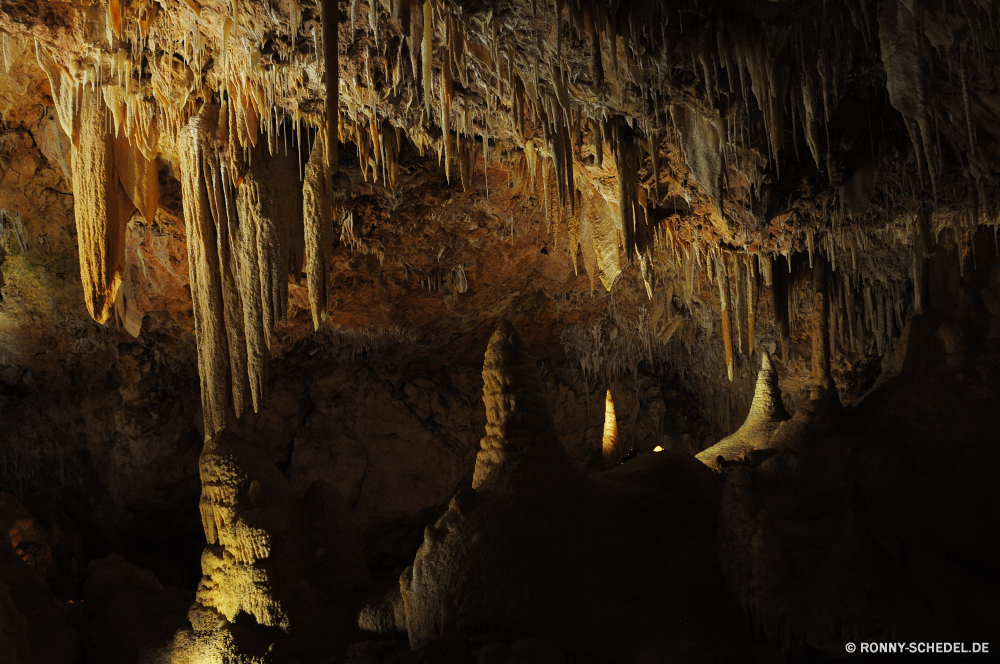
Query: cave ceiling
[[625, 178]]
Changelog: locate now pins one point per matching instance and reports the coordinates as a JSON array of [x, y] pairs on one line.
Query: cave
[[499, 331]]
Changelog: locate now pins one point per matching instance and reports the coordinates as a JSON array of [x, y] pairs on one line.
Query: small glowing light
[[657, 449]]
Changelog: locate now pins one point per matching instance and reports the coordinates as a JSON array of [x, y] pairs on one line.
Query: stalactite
[[738, 301], [446, 92], [751, 305], [637, 237], [318, 231], [138, 177], [879, 323], [921, 248], [331, 66], [101, 206], [415, 39], [727, 339], [206, 286], [269, 204], [595, 131], [390, 152], [427, 54], [66, 93]]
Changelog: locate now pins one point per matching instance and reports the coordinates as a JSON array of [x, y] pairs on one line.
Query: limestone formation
[[102, 209], [750, 442], [307, 288], [206, 274], [519, 439], [269, 206], [610, 450], [274, 568], [318, 222], [537, 549]]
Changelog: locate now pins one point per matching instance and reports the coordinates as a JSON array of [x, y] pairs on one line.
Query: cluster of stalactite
[[251, 224], [733, 306], [646, 131]]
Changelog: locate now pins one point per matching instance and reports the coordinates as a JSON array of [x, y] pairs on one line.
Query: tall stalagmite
[[519, 434], [609, 443]]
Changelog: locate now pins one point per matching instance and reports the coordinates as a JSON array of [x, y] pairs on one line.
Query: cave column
[[821, 328]]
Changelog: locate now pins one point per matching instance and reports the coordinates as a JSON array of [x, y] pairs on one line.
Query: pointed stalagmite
[[766, 413], [102, 208], [519, 435], [318, 233], [609, 444]]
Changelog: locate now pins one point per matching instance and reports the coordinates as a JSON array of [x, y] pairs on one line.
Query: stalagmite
[[318, 232], [766, 412], [253, 570], [609, 442], [206, 286], [101, 206], [519, 437]]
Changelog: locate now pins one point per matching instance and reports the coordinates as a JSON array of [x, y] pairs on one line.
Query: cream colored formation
[[603, 137], [275, 565]]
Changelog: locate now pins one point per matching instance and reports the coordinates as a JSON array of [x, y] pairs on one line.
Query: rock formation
[[274, 569], [536, 549], [255, 251], [752, 439], [610, 450]]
